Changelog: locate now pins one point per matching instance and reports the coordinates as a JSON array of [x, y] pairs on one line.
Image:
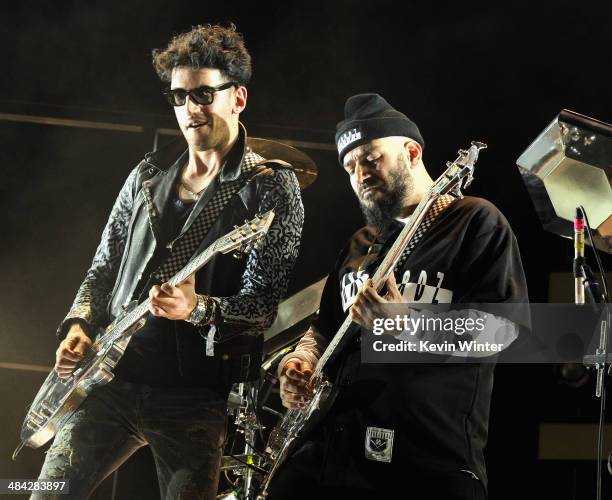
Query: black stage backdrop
[[498, 73]]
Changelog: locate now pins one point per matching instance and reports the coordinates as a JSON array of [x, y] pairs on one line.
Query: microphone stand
[[601, 359]]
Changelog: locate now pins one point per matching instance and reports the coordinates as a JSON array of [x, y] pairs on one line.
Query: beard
[[400, 184]]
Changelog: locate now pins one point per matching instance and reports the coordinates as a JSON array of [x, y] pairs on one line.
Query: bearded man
[[431, 420]]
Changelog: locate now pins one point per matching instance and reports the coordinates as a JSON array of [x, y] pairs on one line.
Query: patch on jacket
[[379, 444]]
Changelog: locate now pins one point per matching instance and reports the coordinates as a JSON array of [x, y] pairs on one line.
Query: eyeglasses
[[202, 95]]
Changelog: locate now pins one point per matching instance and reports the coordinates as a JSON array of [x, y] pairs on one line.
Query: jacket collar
[[232, 164], [165, 158], [169, 160]]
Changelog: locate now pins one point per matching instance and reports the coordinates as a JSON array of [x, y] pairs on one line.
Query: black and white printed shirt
[[438, 413]]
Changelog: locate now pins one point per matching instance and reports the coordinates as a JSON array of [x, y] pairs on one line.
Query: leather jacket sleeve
[[268, 267], [90, 305]]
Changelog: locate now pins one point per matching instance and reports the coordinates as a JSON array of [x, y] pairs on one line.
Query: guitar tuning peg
[[462, 152], [449, 164], [457, 192]]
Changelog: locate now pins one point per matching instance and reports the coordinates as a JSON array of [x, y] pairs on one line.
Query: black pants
[[185, 428], [300, 479]]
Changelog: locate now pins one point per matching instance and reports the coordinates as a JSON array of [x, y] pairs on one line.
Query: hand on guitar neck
[[71, 351], [174, 302], [369, 304]]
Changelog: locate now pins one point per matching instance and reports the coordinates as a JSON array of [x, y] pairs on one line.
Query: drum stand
[[242, 403]]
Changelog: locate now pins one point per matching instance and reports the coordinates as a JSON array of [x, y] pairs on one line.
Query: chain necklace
[[195, 196]]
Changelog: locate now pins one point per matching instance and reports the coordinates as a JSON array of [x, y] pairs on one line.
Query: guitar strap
[[439, 206], [184, 248]]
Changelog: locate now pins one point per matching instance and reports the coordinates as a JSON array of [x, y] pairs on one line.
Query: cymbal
[[291, 318], [303, 165]]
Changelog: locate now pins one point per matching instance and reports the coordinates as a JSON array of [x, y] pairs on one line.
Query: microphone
[[578, 257]]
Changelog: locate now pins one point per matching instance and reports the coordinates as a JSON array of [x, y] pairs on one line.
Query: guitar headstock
[[244, 238], [459, 174]]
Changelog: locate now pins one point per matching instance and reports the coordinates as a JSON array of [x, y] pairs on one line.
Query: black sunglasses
[[202, 95]]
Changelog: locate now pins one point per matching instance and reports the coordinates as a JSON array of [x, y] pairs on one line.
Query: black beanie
[[369, 116]]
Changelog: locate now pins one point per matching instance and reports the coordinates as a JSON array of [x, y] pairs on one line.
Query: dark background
[[497, 73]]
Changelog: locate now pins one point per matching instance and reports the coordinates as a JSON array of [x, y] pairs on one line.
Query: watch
[[199, 312]]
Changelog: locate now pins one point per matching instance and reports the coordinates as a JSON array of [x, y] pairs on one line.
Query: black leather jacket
[[249, 289]]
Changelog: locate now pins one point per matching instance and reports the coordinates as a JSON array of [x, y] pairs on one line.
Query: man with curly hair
[[171, 386]]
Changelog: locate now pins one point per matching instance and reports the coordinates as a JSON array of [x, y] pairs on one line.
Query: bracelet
[[204, 312]]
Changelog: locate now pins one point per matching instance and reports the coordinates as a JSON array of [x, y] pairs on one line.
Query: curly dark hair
[[206, 46]]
